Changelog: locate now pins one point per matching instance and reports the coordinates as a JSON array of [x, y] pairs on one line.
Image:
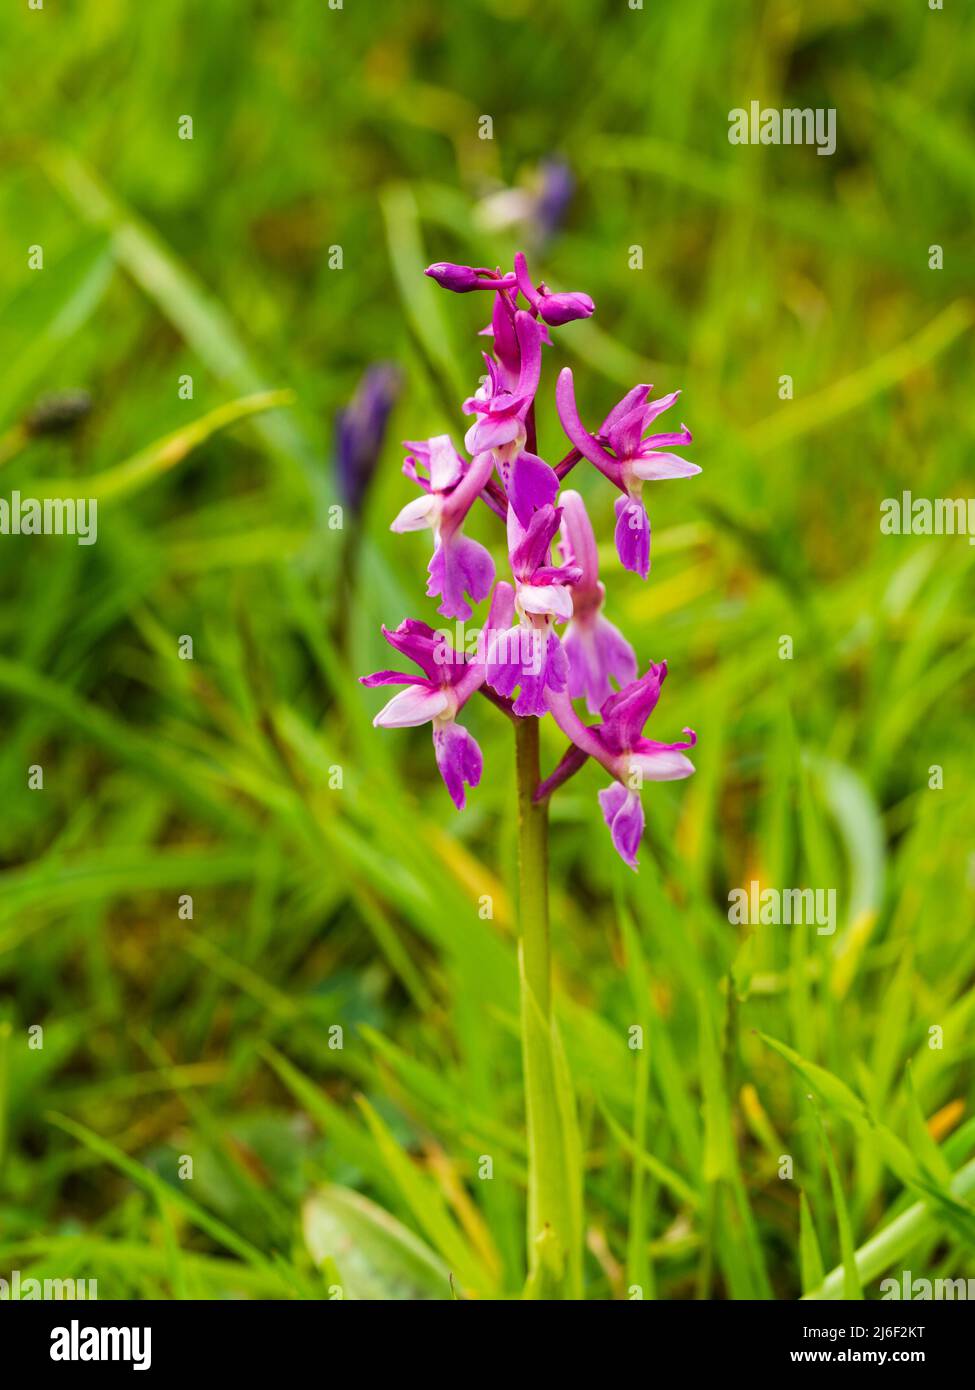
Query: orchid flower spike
[[633, 461], [521, 662]]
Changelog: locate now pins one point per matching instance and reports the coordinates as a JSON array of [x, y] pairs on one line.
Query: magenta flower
[[555, 309], [529, 484], [527, 480], [597, 651], [449, 680], [503, 401], [532, 656], [633, 461], [619, 746], [623, 715], [459, 565], [635, 759]]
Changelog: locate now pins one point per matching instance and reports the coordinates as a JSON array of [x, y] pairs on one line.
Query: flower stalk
[[533, 918], [536, 990]]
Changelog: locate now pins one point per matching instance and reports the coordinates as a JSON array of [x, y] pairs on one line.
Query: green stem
[[533, 868], [554, 1269], [555, 1161]]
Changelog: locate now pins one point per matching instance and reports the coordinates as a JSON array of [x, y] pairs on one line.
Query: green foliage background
[[316, 906]]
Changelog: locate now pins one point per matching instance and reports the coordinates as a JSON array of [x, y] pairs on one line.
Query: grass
[[333, 1036]]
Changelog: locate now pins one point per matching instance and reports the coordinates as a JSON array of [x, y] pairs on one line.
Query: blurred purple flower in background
[[554, 199], [537, 206], [359, 432]]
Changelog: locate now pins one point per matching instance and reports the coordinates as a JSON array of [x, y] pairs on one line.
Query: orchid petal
[[458, 758], [417, 704], [637, 396], [623, 813], [418, 515], [665, 763], [633, 535], [446, 465], [565, 402], [459, 566], [578, 544], [531, 484], [656, 466]]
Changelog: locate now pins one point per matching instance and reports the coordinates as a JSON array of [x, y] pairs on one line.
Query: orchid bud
[[459, 278], [557, 309]]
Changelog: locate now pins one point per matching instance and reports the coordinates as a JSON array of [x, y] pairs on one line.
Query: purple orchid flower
[[527, 480], [459, 565], [619, 746], [448, 682], [596, 650], [633, 462], [360, 429], [502, 402], [502, 330], [531, 656], [637, 759], [555, 309]]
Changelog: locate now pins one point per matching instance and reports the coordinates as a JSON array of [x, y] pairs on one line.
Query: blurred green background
[[319, 906]]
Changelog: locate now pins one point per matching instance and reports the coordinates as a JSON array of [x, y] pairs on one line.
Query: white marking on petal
[[653, 467], [666, 766], [419, 514], [417, 704], [546, 598]]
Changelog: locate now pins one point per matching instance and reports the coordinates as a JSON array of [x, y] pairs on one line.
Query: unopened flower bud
[[557, 309], [459, 278]]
